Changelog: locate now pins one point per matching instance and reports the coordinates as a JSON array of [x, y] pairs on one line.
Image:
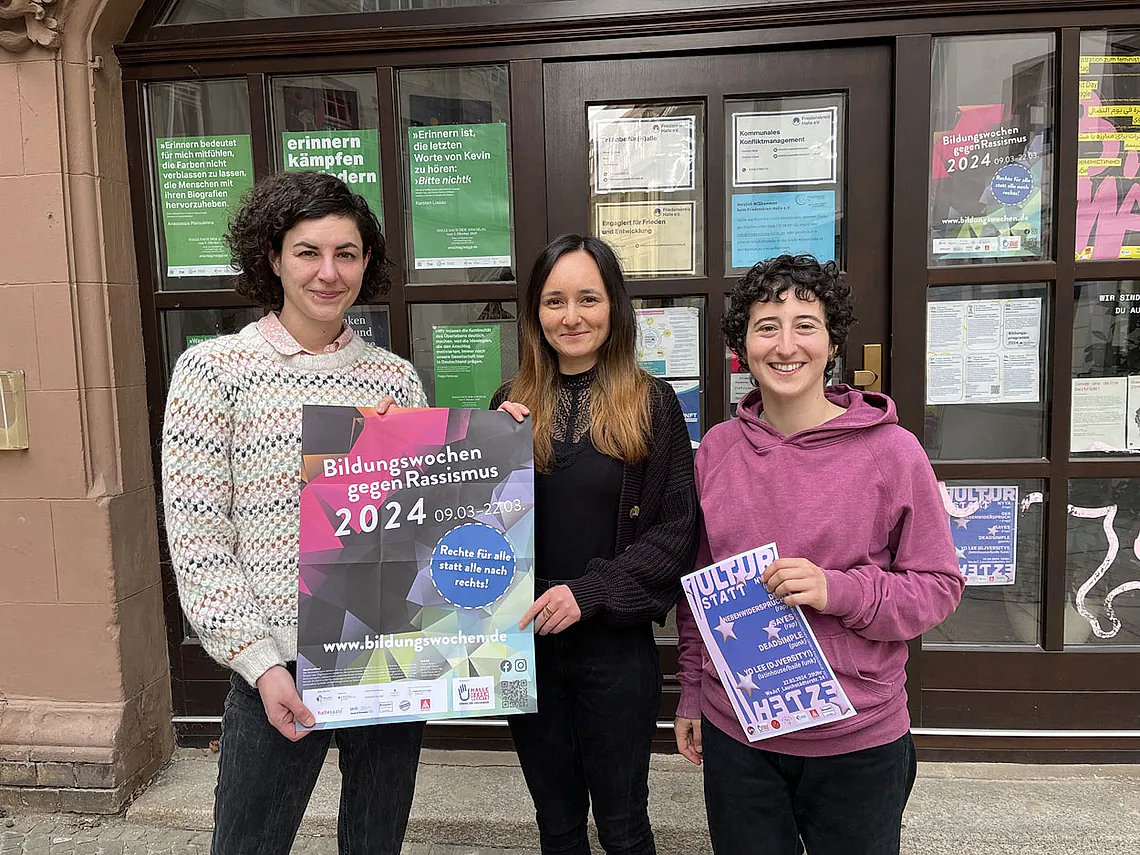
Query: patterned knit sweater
[[231, 467]]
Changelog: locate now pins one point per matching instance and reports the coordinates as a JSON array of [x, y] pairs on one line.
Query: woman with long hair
[[308, 248], [616, 527]]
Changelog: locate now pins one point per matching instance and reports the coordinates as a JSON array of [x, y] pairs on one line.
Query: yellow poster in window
[[650, 238]]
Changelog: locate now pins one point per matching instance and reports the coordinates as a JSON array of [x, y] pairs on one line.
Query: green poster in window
[[460, 196], [352, 156], [200, 180], [468, 365]]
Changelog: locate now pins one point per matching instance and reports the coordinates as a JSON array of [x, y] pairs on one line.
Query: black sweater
[[656, 525]]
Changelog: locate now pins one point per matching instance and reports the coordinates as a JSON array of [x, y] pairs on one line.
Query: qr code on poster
[[516, 694]]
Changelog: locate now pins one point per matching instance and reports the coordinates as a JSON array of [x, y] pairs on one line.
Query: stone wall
[[84, 676]]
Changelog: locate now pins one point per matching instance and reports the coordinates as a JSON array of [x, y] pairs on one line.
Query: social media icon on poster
[[505, 666]]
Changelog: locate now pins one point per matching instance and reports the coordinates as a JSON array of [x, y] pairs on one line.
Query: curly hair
[[277, 203], [769, 280]]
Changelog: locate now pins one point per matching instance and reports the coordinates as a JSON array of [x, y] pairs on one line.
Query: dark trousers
[[264, 781], [763, 803], [599, 694]]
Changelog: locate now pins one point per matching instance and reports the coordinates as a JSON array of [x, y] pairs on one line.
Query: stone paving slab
[[468, 799], [62, 834]]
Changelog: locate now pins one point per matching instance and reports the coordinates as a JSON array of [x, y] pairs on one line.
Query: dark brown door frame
[[862, 73], [187, 55]]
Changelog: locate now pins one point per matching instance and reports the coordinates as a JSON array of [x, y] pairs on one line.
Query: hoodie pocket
[[867, 670]]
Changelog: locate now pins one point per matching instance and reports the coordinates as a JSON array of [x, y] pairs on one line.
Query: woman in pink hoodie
[[853, 506]]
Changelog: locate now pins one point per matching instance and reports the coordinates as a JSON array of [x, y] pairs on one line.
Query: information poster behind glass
[[457, 174], [463, 352], [202, 164], [1108, 163], [647, 186], [986, 364], [991, 167], [670, 345], [998, 530], [1105, 418], [328, 123], [785, 174]]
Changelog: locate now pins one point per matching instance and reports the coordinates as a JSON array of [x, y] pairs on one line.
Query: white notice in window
[[792, 147], [1100, 409], [1133, 413], [643, 153], [983, 351]]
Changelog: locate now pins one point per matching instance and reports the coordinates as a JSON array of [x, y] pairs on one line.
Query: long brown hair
[[619, 398]]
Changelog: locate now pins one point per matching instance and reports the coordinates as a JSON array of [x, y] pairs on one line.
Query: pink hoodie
[[857, 497]]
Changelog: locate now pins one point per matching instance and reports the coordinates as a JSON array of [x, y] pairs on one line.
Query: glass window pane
[[785, 171], [998, 529], [991, 184], [456, 149], [1106, 369], [1103, 575], [1108, 165], [987, 352], [184, 328], [203, 163], [464, 351], [647, 186], [199, 11], [670, 345], [329, 123]]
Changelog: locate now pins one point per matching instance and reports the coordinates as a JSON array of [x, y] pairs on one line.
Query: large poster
[[1108, 164], [986, 184], [416, 565], [353, 156], [200, 181], [460, 196]]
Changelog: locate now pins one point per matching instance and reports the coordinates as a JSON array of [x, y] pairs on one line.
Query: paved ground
[[85, 835], [475, 803]]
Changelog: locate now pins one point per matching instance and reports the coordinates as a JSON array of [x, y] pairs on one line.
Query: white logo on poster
[[473, 693]]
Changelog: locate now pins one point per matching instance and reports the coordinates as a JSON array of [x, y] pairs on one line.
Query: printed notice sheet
[[649, 238], [983, 521], [765, 652], [983, 351], [669, 341], [643, 153], [416, 565], [784, 147], [1099, 414]]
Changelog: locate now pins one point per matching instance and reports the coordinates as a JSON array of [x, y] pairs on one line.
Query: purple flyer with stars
[[416, 565], [765, 652], [983, 521]]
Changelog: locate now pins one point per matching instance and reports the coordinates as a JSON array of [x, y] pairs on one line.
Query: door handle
[[870, 376]]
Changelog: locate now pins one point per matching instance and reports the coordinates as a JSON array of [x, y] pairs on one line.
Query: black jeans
[[264, 781], [763, 803], [599, 693]]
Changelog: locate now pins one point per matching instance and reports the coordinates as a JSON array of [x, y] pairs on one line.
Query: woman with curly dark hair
[[856, 513], [308, 249]]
